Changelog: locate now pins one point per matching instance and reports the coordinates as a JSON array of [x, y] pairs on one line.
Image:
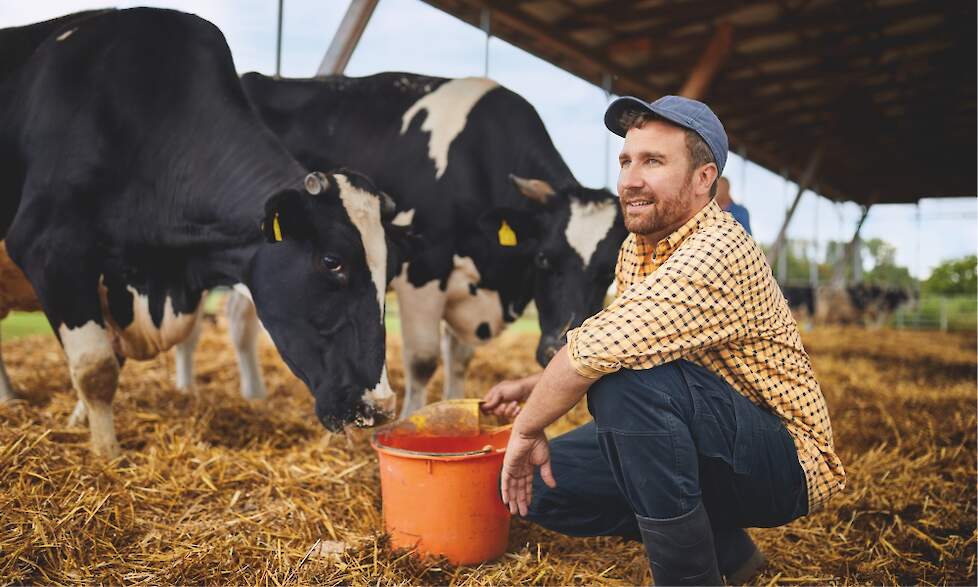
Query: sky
[[409, 35]]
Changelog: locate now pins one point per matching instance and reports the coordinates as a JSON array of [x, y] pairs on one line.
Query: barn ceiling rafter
[[887, 87]]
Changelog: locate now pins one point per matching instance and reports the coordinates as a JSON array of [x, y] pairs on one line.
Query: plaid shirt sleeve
[[687, 304]]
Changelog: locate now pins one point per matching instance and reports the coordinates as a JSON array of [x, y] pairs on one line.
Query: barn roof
[[885, 87]]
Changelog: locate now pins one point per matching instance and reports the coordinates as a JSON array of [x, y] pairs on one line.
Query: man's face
[[655, 184]]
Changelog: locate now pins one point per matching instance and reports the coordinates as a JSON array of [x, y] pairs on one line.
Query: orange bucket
[[439, 481]]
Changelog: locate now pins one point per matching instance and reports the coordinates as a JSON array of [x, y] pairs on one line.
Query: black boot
[[738, 558], [680, 549]]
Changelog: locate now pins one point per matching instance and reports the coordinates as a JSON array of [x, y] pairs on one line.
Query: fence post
[[943, 314]]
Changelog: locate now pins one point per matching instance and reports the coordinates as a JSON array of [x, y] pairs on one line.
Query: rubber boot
[[738, 558], [680, 549]]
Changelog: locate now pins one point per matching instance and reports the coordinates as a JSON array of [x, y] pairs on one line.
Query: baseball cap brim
[[615, 111]]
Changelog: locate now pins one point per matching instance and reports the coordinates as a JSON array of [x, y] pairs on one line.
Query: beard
[[661, 214]]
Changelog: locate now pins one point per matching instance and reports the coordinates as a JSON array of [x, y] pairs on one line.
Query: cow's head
[[570, 239], [319, 284]]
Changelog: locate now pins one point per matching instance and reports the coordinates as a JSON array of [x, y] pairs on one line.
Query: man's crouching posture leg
[[694, 460]]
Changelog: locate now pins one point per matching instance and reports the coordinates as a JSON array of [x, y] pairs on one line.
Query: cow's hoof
[[254, 393], [108, 450]]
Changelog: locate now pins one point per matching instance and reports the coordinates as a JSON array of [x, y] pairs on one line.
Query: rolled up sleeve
[[687, 305]]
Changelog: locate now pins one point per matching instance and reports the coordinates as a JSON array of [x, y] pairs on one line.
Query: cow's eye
[[542, 261], [332, 263]]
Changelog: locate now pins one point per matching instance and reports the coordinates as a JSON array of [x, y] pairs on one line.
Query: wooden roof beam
[[828, 16], [545, 36], [713, 57], [611, 13]]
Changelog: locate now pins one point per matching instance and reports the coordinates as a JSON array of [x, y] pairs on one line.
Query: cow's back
[[444, 148], [137, 105]]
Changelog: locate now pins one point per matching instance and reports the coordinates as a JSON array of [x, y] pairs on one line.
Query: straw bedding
[[214, 490]]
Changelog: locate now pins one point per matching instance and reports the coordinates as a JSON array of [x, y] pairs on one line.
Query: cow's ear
[[286, 218], [510, 229], [536, 190], [403, 245]]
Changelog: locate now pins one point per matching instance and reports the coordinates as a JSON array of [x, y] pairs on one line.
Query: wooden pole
[[806, 180], [347, 36], [709, 63], [839, 270]]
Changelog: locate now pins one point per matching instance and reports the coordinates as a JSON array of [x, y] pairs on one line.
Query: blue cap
[[687, 113]]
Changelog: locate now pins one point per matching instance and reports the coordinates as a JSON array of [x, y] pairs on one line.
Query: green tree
[[954, 277], [885, 271]]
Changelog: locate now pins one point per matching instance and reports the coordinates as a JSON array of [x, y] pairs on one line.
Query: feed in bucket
[[439, 479]]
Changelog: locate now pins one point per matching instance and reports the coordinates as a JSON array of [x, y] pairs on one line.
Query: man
[[707, 416], [727, 204]]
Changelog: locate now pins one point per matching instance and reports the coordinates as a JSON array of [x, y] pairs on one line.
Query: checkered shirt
[[706, 294]]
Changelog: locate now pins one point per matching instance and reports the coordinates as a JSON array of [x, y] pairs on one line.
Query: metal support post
[[347, 36]]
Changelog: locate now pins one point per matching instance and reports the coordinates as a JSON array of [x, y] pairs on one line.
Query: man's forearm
[[558, 390], [530, 381]]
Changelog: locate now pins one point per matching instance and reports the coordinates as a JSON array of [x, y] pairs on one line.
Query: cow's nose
[[547, 349], [387, 407]]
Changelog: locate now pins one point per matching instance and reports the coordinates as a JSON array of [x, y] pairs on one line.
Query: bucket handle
[[416, 453]]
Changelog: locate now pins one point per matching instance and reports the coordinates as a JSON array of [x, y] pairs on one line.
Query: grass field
[[212, 489], [19, 324]]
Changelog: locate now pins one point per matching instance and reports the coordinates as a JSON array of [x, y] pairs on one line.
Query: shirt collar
[[708, 215]]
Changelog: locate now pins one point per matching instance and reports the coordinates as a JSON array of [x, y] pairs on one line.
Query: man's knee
[[638, 400]]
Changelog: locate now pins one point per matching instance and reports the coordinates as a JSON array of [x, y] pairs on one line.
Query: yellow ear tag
[[507, 237], [277, 229]]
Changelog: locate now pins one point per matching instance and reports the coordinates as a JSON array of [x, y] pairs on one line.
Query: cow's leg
[[184, 354], [244, 328], [79, 415], [65, 271], [421, 311], [456, 356], [94, 374], [6, 390]]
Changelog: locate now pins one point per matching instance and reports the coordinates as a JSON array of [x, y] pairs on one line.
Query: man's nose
[[629, 180]]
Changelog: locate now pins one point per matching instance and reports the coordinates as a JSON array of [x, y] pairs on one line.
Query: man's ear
[[286, 218], [706, 175], [510, 229]]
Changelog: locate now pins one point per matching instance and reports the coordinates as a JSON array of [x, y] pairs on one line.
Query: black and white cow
[[135, 176], [861, 303], [474, 172]]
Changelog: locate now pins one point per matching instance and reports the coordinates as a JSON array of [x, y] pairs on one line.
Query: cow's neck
[[218, 216], [548, 165]]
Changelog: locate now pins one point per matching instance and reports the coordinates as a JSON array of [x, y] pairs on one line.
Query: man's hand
[[504, 398], [523, 455], [554, 392]]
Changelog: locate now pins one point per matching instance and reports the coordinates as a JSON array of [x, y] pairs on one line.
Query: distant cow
[[856, 304], [135, 176], [472, 169], [801, 300]]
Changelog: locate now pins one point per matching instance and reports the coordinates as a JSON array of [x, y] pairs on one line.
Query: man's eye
[[333, 263]]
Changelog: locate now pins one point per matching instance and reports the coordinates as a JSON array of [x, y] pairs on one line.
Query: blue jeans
[[662, 441]]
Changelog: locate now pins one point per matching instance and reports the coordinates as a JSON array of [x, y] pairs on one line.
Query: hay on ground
[[212, 489]]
